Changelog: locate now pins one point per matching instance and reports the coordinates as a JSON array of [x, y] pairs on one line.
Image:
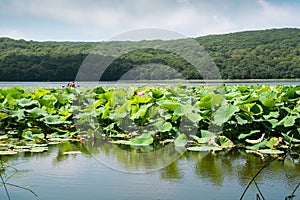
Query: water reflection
[[214, 175], [137, 159]]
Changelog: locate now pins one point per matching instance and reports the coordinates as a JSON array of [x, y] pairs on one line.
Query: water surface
[[195, 175]]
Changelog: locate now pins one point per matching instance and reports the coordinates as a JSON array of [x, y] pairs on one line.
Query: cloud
[[104, 19]]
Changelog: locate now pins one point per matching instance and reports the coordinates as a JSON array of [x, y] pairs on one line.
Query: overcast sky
[[97, 20]]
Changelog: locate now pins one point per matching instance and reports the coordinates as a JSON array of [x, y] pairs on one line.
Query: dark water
[[194, 175]]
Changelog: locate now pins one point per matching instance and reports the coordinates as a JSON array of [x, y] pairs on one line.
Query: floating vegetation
[[264, 119]]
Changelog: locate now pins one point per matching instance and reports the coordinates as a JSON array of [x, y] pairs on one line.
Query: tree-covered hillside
[[273, 53]]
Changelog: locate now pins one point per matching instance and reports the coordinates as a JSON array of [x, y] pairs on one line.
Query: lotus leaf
[[204, 148], [142, 140], [224, 113], [181, 140]]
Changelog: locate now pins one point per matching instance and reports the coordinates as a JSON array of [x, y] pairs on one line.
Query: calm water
[[61, 84], [201, 175]]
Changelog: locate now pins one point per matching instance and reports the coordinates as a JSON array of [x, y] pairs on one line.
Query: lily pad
[[224, 113], [142, 140], [6, 153], [181, 140], [204, 148], [71, 152], [270, 151]]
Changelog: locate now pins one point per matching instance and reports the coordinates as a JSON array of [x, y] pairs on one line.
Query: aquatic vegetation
[[262, 119]]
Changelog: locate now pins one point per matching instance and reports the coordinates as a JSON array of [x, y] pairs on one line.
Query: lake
[[104, 171], [194, 175], [162, 83]]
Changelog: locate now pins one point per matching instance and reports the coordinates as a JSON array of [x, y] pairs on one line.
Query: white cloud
[[104, 19]]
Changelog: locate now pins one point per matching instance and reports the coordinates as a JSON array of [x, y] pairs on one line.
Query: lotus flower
[[142, 93]]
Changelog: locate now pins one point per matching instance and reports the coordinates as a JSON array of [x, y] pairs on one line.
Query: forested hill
[[265, 54]]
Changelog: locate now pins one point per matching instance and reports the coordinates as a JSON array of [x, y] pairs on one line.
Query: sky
[[100, 20]]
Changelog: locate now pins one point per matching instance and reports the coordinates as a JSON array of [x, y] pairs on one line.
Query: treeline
[[266, 54]]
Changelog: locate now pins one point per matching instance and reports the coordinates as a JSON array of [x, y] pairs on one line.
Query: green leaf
[[268, 98], [37, 112], [224, 113], [27, 135], [224, 142], [166, 127], [201, 140], [140, 99], [252, 108], [157, 93], [142, 140], [141, 112], [240, 120], [244, 135], [169, 105], [27, 102], [181, 140], [41, 92], [3, 116], [194, 117], [272, 142], [48, 100], [3, 137], [272, 115], [205, 133], [19, 114], [54, 120], [289, 121], [258, 146]]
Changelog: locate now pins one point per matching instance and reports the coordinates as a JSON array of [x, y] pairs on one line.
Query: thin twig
[[256, 176], [4, 184], [259, 190], [24, 188], [258, 197], [293, 194]]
